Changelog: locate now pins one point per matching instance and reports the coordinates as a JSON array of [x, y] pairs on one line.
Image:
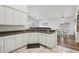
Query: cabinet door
[[39, 37], [42, 38], [1, 46], [23, 19], [33, 38], [1, 15], [9, 44], [25, 38], [17, 17], [9, 16], [55, 38], [50, 40], [19, 42]]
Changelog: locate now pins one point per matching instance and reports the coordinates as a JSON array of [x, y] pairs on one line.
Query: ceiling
[[44, 12]]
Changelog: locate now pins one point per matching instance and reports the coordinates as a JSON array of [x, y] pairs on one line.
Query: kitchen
[[37, 28]]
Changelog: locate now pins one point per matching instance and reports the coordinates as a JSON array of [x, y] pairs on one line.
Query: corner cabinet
[[49, 40], [33, 38], [42, 38]]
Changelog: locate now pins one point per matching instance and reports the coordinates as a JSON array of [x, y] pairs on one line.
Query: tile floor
[[58, 49]]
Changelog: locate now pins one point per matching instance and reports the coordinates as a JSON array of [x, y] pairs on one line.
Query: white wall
[[49, 23], [55, 23]]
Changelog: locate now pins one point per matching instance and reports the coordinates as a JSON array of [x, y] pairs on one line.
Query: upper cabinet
[[9, 16], [23, 19], [12, 16], [19, 7], [17, 17], [1, 15]]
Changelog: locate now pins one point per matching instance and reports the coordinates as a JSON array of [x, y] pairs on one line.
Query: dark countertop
[[7, 33]]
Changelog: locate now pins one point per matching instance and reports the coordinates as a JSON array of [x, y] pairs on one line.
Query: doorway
[[69, 41]]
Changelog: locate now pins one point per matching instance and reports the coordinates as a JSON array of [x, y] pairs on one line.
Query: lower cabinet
[[9, 44], [13, 42], [33, 38], [42, 38], [55, 38], [50, 40], [1, 45], [21, 40], [25, 38]]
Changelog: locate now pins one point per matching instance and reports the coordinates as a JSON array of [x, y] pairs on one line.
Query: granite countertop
[[7, 33]]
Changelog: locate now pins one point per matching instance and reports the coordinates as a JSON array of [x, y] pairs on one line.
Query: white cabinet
[[9, 44], [23, 19], [1, 45], [50, 40], [42, 38], [55, 38], [39, 37], [13, 42], [9, 16], [19, 7], [1, 15], [21, 40], [25, 38], [17, 17], [33, 37]]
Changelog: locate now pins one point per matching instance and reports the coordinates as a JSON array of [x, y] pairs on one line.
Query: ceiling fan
[[62, 16]]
